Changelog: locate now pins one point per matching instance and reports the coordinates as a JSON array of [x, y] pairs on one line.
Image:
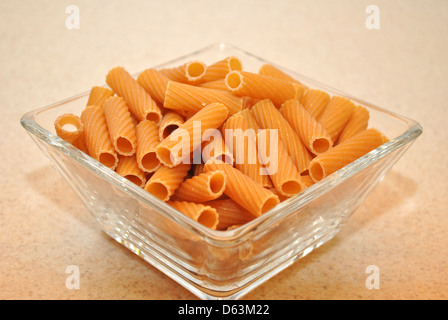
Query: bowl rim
[[282, 210]]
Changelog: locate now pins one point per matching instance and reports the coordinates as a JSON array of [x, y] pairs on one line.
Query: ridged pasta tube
[[140, 103], [258, 201]]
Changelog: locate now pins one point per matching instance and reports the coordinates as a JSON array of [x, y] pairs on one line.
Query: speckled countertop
[[401, 227]]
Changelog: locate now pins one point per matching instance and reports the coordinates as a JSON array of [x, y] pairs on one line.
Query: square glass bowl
[[220, 264]]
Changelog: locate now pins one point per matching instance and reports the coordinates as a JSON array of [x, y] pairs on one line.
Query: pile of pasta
[[127, 126]]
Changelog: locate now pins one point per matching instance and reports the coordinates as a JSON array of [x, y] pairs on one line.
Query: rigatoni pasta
[[215, 147], [154, 83], [171, 151], [166, 132], [269, 69], [80, 143], [315, 101], [201, 213], [189, 99], [128, 168], [259, 86], [97, 137], [357, 123], [164, 182], [242, 142], [280, 167], [336, 115], [311, 132], [251, 122], [345, 153], [68, 127], [258, 201], [269, 117], [140, 103], [147, 134], [191, 72], [98, 95], [230, 213], [203, 187], [220, 69], [170, 122], [120, 125], [219, 84]]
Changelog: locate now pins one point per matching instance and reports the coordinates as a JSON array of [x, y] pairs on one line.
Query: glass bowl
[[220, 264]]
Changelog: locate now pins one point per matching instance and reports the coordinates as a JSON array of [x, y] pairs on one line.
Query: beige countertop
[[402, 227]]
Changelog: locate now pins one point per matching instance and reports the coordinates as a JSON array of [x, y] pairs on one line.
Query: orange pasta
[[268, 117], [80, 143], [171, 151], [242, 142], [97, 137], [336, 115], [204, 187], [170, 122], [164, 182], [216, 148], [147, 134], [120, 125], [307, 180], [270, 70], [187, 98], [230, 213], [68, 127], [258, 201], [280, 167], [249, 102], [357, 123], [244, 83], [220, 144], [140, 103], [99, 95], [219, 84], [311, 132], [280, 195], [205, 215], [250, 119], [154, 83], [220, 69], [315, 101], [128, 168], [348, 151], [191, 72]]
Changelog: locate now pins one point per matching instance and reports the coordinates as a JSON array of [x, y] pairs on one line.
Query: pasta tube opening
[[157, 189], [165, 156], [68, 127], [150, 162], [316, 171], [153, 116], [234, 80], [168, 130], [208, 217], [195, 70], [147, 140], [269, 203], [108, 159], [124, 146], [217, 182], [134, 179], [321, 145], [291, 187]]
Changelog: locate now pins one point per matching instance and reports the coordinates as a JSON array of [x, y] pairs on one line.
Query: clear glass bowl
[[220, 264]]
